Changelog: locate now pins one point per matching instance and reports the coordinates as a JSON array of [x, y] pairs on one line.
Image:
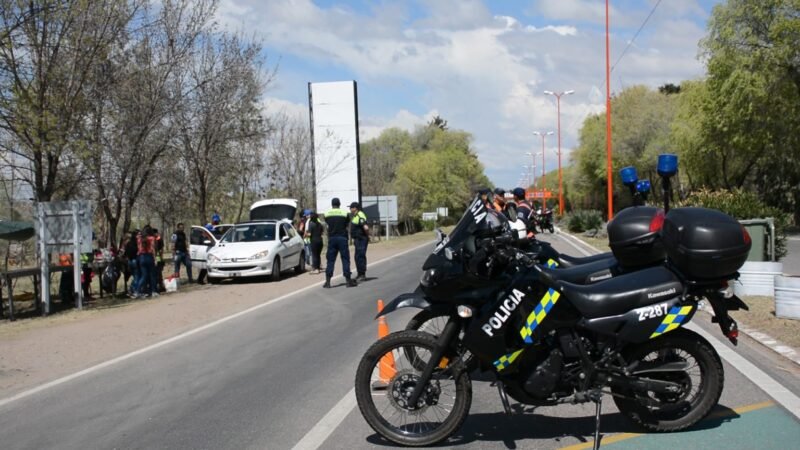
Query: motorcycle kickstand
[[504, 398], [598, 401]]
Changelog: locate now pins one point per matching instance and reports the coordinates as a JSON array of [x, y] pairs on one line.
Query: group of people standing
[[144, 254], [340, 225], [524, 210]]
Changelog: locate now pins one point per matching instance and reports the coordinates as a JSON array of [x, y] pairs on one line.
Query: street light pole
[[609, 185], [533, 167], [543, 135], [558, 95]]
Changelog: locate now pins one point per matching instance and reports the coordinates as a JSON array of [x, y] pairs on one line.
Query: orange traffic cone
[[386, 369]]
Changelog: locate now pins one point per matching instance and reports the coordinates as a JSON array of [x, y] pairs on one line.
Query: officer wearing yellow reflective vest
[[359, 232], [337, 221]]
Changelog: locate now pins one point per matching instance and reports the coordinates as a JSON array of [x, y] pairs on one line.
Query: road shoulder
[[36, 351]]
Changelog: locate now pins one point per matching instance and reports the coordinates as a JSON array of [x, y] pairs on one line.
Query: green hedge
[[743, 205], [429, 225], [584, 220]]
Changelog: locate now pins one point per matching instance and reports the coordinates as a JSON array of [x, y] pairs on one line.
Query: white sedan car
[[257, 248]]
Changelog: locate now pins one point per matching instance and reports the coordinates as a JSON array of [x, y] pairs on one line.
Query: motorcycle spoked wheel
[[702, 382], [443, 406], [433, 323]]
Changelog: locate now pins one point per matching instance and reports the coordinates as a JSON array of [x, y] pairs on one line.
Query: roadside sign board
[[63, 227], [380, 208]]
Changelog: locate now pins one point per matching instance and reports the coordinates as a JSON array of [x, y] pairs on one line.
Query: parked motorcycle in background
[[545, 219]]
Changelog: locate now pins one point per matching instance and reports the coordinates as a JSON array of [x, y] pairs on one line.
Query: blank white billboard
[[333, 109]]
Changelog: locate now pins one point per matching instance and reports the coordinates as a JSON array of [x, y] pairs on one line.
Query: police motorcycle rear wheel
[[433, 322], [701, 382], [383, 392]]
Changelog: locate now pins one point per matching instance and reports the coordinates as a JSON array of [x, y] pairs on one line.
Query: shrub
[[428, 225], [743, 205], [583, 220]]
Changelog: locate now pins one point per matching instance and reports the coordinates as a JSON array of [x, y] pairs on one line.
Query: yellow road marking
[[715, 415]]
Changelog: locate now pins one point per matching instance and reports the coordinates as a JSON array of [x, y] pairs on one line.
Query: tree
[[288, 158], [447, 174], [49, 52], [134, 105], [750, 116], [438, 122], [380, 158], [219, 111], [640, 132]]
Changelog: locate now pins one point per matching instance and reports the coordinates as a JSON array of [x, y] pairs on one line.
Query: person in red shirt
[[147, 263]]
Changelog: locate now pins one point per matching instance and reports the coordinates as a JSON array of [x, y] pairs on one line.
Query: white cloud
[[273, 105], [371, 127], [483, 73], [593, 11]]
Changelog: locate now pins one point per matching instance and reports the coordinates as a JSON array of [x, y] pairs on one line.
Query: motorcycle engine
[[544, 378]]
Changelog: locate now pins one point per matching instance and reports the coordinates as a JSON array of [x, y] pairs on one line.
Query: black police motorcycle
[[549, 341], [635, 231]]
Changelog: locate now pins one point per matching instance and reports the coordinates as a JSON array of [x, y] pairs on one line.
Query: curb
[[764, 339]]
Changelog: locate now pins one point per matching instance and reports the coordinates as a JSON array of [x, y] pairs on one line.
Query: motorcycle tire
[[366, 403], [552, 229], [712, 379], [426, 322]]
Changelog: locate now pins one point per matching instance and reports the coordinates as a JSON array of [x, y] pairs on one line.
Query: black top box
[[633, 236], [704, 243]]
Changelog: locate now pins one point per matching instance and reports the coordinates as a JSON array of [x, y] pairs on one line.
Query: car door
[[200, 240], [291, 254]]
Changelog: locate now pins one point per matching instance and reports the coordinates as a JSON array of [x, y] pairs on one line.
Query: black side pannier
[[705, 243], [634, 236]]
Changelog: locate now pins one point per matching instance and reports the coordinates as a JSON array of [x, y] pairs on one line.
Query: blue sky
[[480, 65]]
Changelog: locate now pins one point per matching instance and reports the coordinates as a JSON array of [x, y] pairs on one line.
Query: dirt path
[[35, 351]]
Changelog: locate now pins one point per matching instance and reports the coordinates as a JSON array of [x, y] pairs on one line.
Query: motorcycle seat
[[623, 293], [571, 261], [588, 273]]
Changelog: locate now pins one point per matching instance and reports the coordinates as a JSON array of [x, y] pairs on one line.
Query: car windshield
[[250, 233]]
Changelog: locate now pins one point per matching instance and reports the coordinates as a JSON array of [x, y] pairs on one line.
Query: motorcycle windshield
[[475, 218]]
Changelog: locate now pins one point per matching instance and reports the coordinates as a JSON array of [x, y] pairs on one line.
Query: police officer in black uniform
[[337, 221], [524, 208], [359, 232]]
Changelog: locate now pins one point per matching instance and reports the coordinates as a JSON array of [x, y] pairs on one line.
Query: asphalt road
[[268, 378]]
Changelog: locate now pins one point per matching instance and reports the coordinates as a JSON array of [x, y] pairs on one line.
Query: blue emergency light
[[643, 186], [629, 176], [667, 164]]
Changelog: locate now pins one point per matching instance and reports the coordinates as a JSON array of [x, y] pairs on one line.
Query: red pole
[[544, 186], [610, 186], [560, 190]]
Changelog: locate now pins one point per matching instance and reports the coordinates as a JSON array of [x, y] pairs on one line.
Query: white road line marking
[[317, 435], [186, 334], [566, 238], [760, 378]]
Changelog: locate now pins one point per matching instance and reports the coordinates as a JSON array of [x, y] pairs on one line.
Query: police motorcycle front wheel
[[433, 322], [386, 379]]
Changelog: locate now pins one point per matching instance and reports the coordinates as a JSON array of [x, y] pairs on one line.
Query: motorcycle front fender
[[410, 300]]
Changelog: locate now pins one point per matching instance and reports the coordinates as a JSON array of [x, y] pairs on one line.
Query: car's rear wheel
[[276, 270]]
